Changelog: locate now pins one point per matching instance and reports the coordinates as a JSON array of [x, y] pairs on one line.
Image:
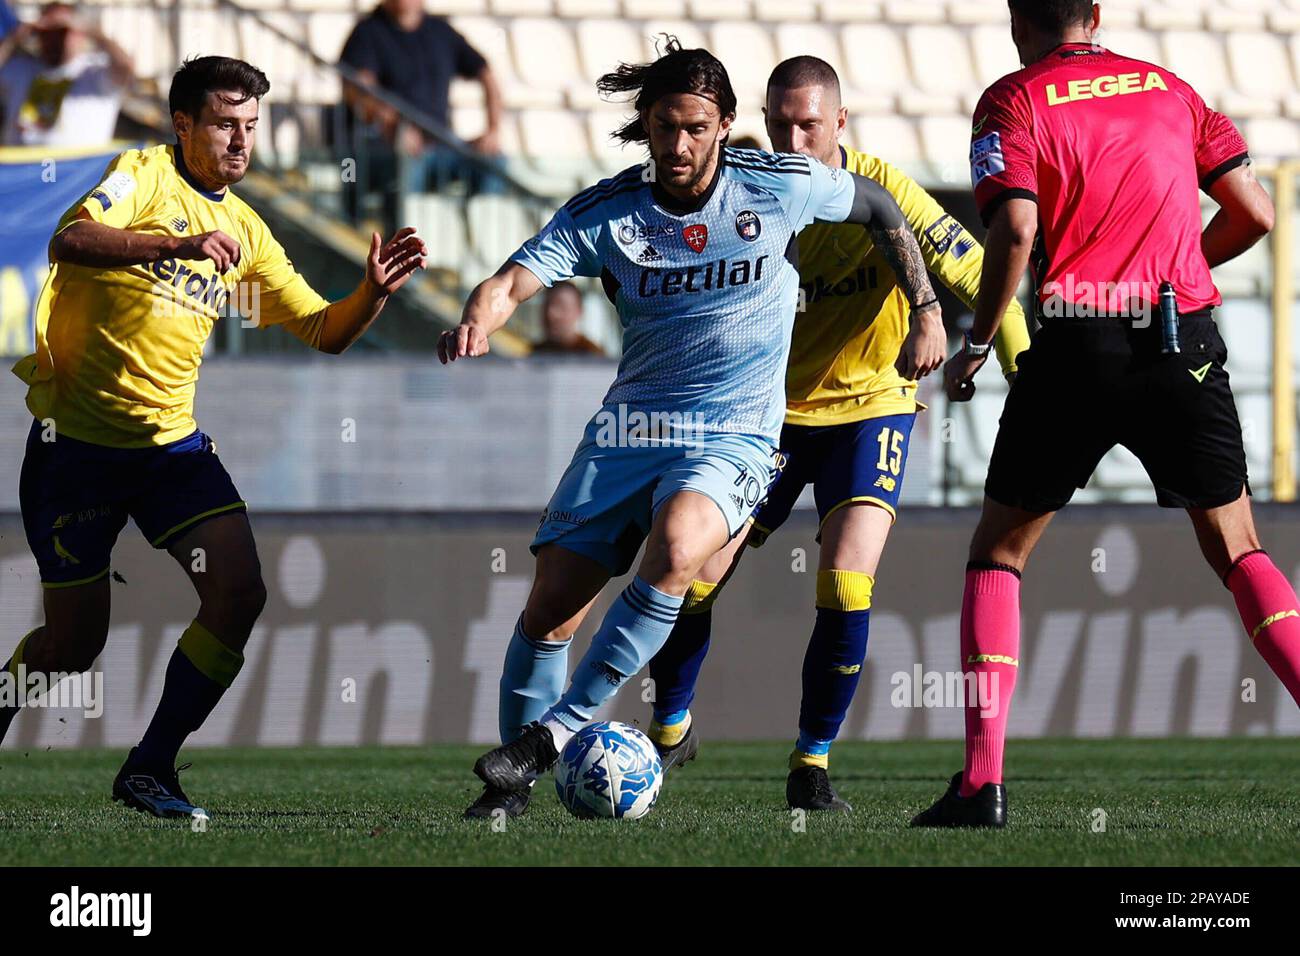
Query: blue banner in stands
[[37, 186]]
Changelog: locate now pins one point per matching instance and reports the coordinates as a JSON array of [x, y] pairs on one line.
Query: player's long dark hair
[[676, 71], [201, 75]]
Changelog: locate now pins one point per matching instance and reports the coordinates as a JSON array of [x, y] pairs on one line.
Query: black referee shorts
[[1086, 385]]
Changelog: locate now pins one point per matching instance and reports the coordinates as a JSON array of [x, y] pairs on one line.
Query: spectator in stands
[[412, 55], [561, 316], [67, 90], [8, 21]]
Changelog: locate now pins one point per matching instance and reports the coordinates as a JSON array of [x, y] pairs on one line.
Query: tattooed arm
[[926, 344]]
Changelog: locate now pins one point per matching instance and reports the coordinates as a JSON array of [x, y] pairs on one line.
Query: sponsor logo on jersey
[[944, 233], [986, 158], [629, 233], [864, 280], [748, 226], [884, 481], [179, 224], [692, 279], [650, 254], [696, 236], [1104, 87]]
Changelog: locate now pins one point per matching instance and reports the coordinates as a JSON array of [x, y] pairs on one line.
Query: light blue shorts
[[611, 491]]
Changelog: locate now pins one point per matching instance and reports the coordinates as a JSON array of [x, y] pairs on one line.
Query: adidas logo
[[650, 254]]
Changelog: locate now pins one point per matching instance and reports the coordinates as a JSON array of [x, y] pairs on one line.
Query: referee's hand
[[923, 349], [959, 375]]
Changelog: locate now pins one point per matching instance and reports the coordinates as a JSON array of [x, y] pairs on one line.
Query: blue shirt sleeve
[[560, 251], [830, 195]]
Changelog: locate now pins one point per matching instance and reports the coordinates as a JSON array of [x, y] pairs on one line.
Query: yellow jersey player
[[144, 265], [850, 404]]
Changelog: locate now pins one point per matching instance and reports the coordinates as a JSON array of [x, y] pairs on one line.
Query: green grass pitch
[[1177, 802]]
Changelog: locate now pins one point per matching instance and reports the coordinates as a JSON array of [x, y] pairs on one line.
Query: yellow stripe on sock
[[992, 659], [799, 759], [669, 735], [212, 658], [1273, 619], [699, 597], [844, 590], [17, 657]]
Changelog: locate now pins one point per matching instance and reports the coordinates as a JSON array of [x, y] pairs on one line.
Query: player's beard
[[694, 177]]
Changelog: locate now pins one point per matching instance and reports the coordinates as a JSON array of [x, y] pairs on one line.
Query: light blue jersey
[[707, 295]]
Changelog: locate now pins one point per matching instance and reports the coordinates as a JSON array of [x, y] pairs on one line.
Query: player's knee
[[69, 647], [700, 596], [844, 590], [239, 597]]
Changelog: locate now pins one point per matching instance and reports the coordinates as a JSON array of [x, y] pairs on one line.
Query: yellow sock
[[799, 759], [669, 735]]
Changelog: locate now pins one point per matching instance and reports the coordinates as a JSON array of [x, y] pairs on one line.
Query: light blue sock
[[634, 629], [532, 680]]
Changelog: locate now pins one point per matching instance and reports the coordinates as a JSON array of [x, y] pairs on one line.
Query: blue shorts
[[607, 499], [76, 498], [856, 461]]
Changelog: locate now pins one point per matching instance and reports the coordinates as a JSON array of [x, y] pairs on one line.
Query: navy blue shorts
[[857, 461], [76, 498]]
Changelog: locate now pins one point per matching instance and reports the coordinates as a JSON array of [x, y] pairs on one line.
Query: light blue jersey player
[[696, 249]]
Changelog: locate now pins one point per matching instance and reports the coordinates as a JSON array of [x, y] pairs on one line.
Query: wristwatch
[[979, 351]]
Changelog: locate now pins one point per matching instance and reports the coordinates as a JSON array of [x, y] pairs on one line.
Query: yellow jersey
[[853, 316], [118, 349]]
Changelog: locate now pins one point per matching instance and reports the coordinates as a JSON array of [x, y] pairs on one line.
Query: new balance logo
[[649, 254], [179, 224], [1200, 373]]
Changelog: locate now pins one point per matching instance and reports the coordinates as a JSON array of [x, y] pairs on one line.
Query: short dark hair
[[676, 71], [1053, 16], [199, 76], [800, 71]]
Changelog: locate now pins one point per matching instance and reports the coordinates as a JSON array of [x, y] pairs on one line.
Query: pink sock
[[990, 649], [1269, 610]]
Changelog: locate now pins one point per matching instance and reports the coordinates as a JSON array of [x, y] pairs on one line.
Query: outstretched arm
[[489, 307], [875, 208]]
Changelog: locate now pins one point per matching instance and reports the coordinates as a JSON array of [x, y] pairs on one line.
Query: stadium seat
[[491, 39], [945, 141], [1198, 57], [746, 50], [877, 60], [1122, 14], [1272, 140], [440, 221], [892, 138], [497, 226], [610, 155], [702, 10], [809, 39], [522, 8], [470, 122], [995, 54], [544, 53], [690, 35], [940, 60], [311, 6], [651, 9], [785, 11], [327, 32], [979, 13], [554, 134], [580, 9], [1259, 66], [1172, 16], [861, 11], [1137, 44], [603, 44], [915, 11]]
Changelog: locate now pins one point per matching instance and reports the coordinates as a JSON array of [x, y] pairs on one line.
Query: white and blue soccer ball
[[609, 769]]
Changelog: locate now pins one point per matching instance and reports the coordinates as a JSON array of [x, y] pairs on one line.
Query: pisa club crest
[[696, 236], [748, 226]]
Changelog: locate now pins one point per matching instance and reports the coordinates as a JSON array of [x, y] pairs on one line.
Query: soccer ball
[[609, 769]]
